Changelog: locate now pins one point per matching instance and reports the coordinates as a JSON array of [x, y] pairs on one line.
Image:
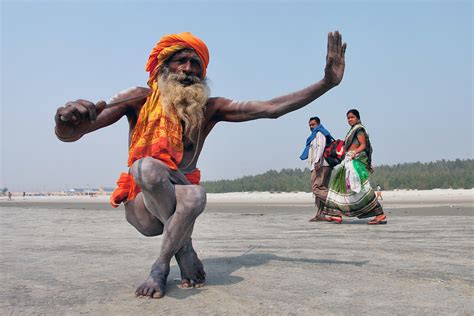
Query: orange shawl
[[157, 134]]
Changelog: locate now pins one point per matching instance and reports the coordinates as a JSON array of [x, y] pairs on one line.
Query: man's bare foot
[[192, 270], [154, 286]]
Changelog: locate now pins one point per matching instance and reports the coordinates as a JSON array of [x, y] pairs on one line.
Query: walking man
[[319, 167]]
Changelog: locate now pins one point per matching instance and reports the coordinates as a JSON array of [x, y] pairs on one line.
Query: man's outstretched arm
[[235, 111], [80, 117]]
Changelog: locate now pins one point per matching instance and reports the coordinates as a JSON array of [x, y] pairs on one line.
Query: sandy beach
[[77, 255]]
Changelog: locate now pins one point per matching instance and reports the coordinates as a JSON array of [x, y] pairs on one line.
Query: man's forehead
[[187, 52]]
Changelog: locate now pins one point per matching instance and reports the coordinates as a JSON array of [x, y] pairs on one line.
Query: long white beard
[[189, 101]]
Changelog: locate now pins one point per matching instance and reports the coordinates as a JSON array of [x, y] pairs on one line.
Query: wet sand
[[262, 257]]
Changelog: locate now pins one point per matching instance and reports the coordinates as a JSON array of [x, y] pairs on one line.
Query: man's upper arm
[[241, 111], [129, 93], [114, 113]]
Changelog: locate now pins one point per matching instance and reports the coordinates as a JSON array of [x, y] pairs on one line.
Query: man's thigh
[[316, 179], [177, 177], [139, 215]]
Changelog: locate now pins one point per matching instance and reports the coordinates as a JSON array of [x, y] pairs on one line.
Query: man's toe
[[149, 292], [139, 292], [157, 294]]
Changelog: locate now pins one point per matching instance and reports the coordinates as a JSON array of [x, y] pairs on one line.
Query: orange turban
[[170, 44]]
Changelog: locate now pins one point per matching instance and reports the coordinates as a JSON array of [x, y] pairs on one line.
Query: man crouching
[[169, 122]]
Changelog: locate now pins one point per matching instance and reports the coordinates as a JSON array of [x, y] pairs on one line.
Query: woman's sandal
[[320, 219], [336, 219], [378, 220]]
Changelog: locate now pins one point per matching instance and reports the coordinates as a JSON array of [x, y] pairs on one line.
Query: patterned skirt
[[342, 200]]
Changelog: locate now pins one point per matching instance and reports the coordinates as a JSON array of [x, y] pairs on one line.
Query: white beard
[[189, 101]]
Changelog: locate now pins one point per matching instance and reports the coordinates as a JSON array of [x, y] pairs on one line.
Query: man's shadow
[[220, 270]]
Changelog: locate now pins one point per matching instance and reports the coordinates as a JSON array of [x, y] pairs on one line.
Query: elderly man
[[169, 122]]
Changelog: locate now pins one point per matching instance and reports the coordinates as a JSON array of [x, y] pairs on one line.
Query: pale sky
[[408, 71]]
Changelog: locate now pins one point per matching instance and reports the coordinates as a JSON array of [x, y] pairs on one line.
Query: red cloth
[[120, 194], [194, 177]]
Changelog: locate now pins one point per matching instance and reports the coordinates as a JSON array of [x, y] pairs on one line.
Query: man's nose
[[187, 68]]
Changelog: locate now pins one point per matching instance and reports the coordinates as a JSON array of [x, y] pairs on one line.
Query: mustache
[[185, 78]]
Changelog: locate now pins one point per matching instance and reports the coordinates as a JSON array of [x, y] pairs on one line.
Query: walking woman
[[350, 193]]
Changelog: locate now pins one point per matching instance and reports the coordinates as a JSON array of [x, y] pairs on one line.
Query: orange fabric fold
[[171, 43], [120, 194], [194, 177]]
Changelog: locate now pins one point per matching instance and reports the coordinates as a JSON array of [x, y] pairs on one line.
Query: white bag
[[352, 178]]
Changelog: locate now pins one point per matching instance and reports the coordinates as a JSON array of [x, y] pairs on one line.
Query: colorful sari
[[350, 193]]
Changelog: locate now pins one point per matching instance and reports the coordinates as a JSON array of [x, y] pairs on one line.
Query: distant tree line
[[441, 174]]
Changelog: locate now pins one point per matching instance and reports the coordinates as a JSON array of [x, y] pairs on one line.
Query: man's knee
[[192, 198], [150, 174], [319, 190]]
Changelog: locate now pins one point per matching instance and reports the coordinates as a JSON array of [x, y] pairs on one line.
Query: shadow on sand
[[220, 270]]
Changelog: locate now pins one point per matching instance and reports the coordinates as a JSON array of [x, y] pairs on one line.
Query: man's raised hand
[[335, 59]]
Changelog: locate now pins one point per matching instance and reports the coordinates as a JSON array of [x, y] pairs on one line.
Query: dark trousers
[[319, 185]]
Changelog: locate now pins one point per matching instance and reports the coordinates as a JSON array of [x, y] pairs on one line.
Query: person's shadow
[[219, 270]]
